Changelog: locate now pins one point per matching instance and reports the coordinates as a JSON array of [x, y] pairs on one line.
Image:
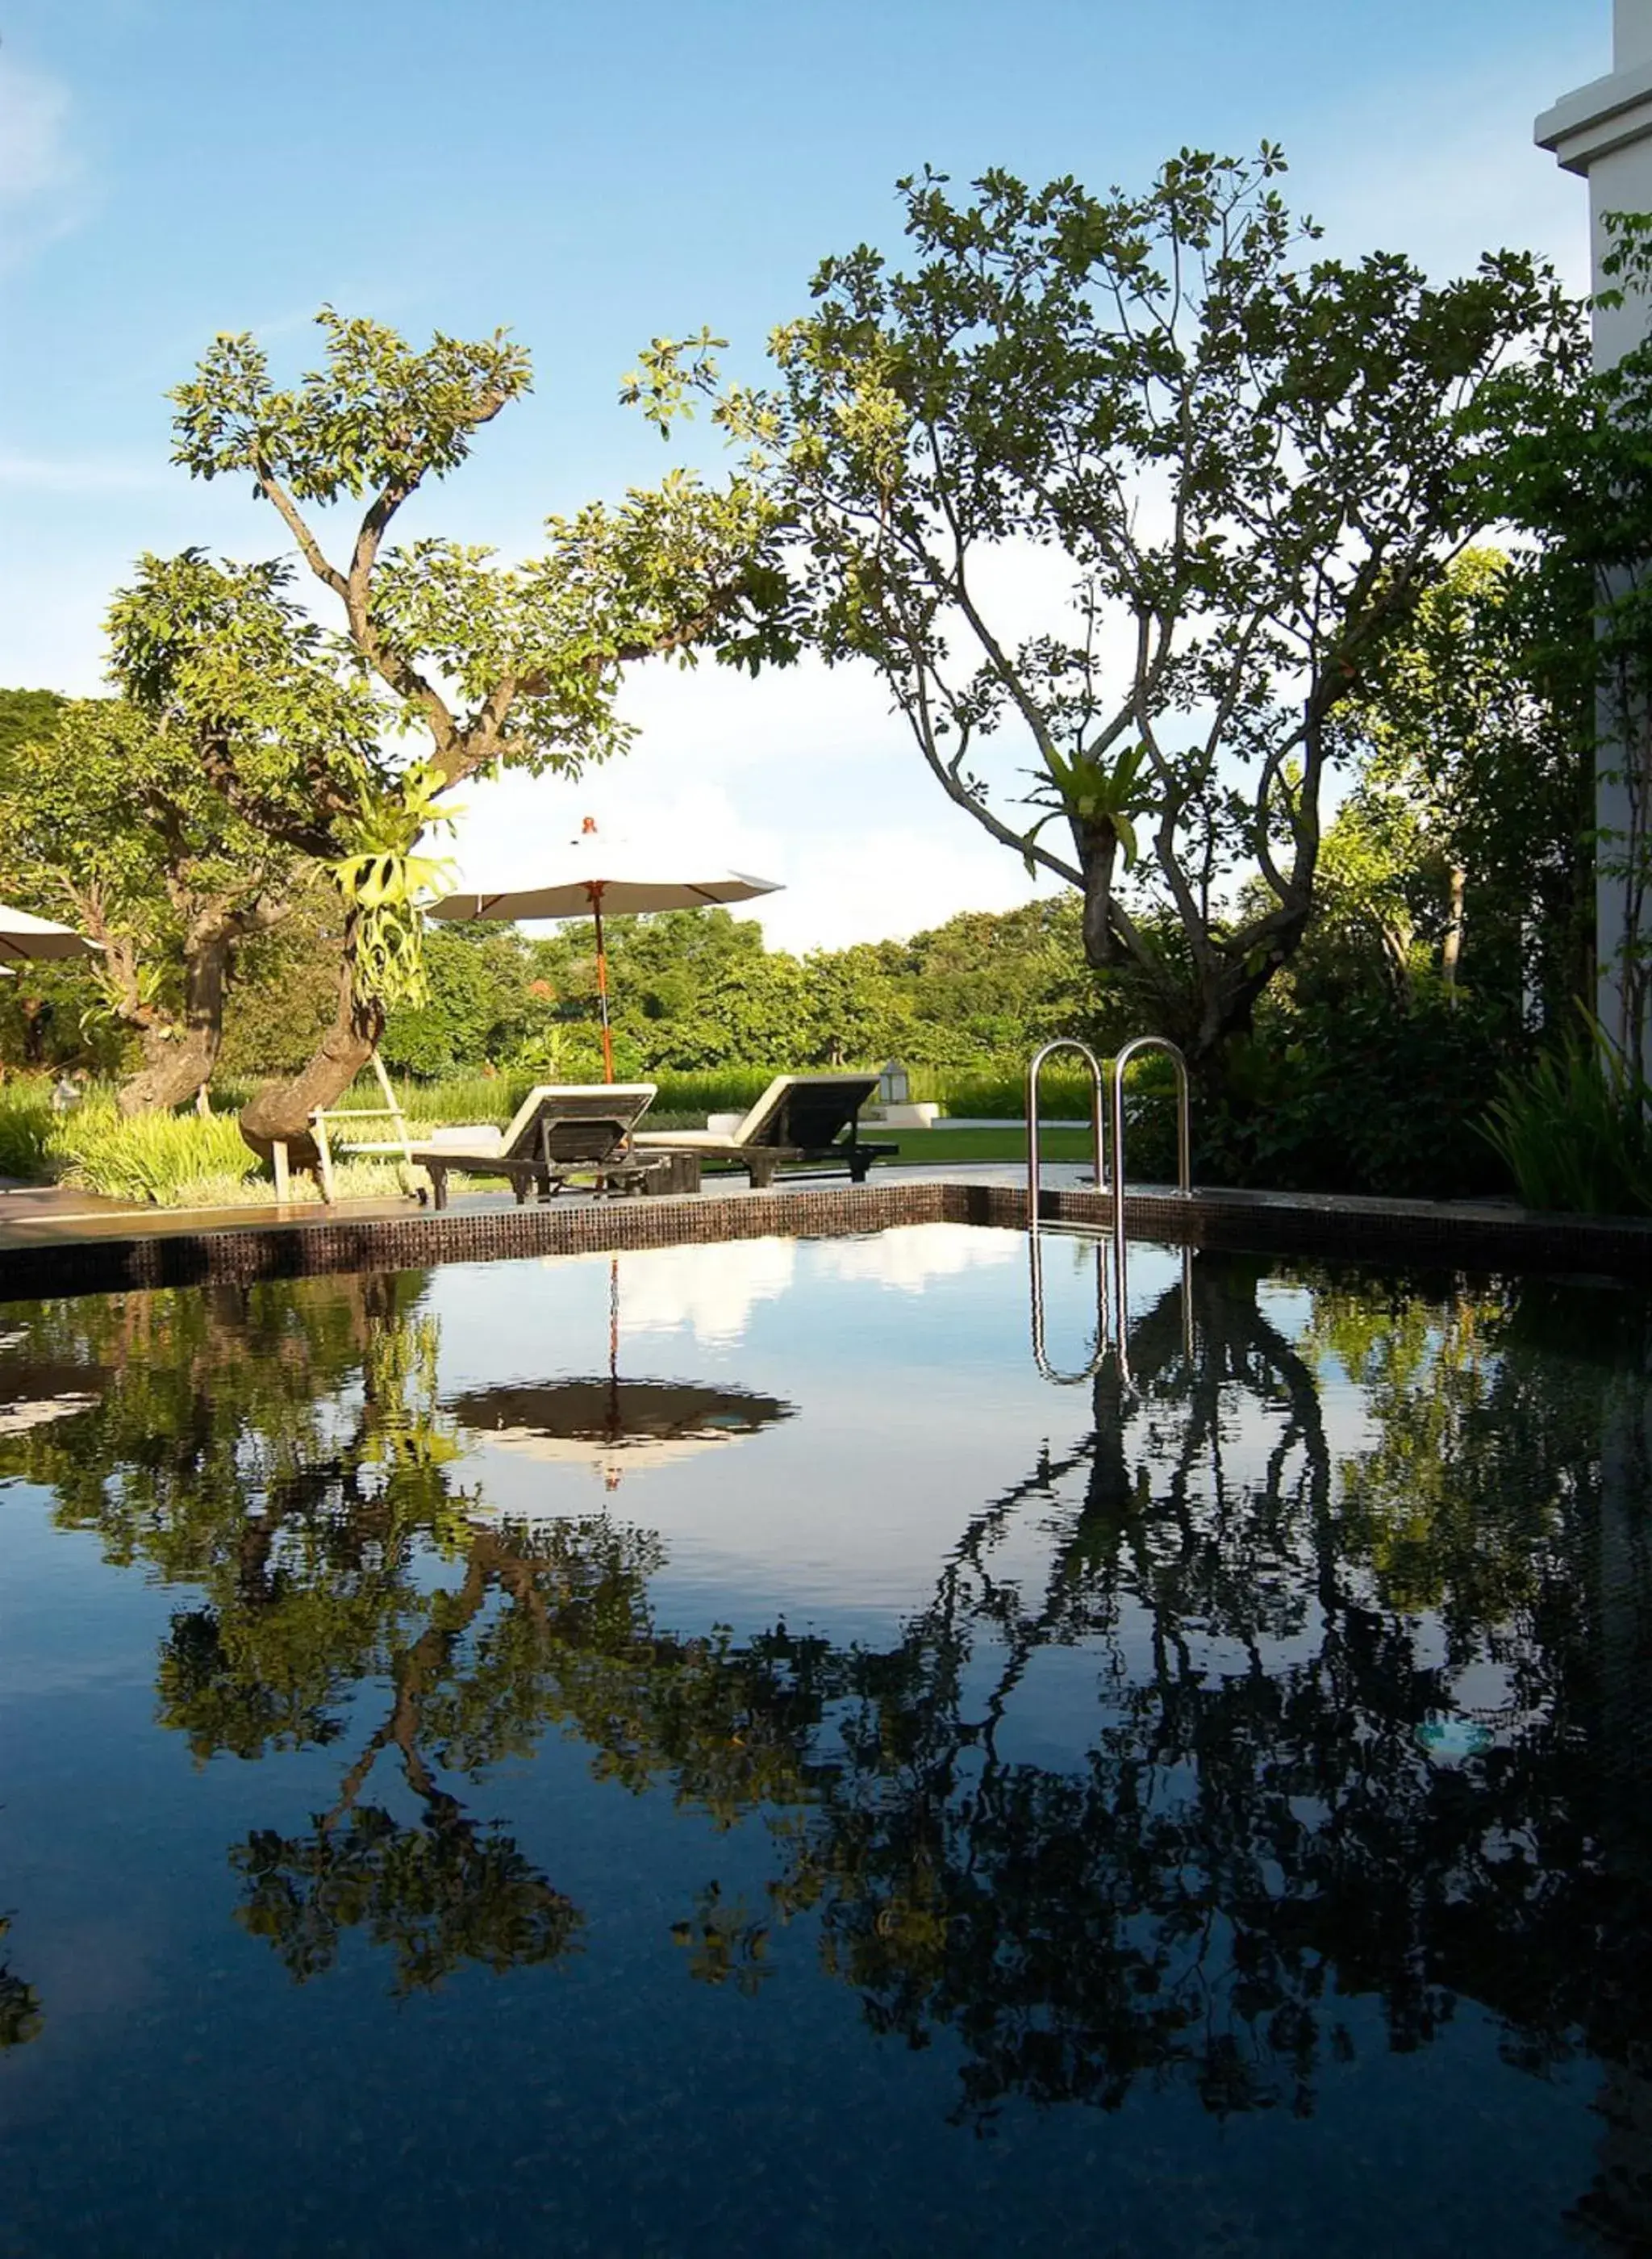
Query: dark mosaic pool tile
[[1495, 1238]]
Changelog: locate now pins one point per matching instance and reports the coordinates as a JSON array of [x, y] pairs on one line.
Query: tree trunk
[[178, 1064], [1097, 853], [1396, 946], [1451, 947], [279, 1112], [1216, 1003], [37, 1025]]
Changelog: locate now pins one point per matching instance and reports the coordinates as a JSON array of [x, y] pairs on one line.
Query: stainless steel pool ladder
[[1183, 1140], [1097, 1103], [1184, 1159], [1098, 1116]]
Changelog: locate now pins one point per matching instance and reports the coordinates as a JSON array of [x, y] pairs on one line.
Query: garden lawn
[[929, 1147], [1008, 1143]]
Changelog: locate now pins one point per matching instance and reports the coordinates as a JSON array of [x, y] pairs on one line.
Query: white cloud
[[909, 1256], [804, 777], [707, 1292], [41, 176]]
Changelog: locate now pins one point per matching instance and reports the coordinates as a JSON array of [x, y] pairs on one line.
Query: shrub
[[1369, 1096], [26, 1122], [998, 1093], [1575, 1130], [729, 1090], [150, 1158], [495, 1098]]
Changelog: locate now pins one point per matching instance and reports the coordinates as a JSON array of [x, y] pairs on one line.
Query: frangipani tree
[[1245, 460], [465, 665]]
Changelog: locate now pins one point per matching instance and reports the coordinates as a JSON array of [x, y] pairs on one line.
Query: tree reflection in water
[[284, 1452], [21, 2017], [1267, 1819], [1259, 1825]]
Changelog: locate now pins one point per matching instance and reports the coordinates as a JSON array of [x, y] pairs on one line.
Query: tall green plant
[[1575, 1129], [149, 1157]]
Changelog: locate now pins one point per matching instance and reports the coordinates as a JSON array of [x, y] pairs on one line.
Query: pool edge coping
[[1438, 1234]]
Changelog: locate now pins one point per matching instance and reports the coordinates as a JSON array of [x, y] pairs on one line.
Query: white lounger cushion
[[756, 1120], [517, 1140], [703, 1140], [470, 1137]]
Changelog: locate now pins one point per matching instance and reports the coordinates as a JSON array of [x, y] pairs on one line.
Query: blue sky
[[589, 176]]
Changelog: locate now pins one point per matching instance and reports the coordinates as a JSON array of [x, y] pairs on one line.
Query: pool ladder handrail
[[1183, 1185], [1035, 1249], [1098, 1113], [1183, 1138]]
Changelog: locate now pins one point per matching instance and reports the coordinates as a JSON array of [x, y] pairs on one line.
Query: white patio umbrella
[[24, 936], [600, 882]]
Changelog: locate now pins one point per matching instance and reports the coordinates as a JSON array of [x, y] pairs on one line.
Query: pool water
[[710, 1750]]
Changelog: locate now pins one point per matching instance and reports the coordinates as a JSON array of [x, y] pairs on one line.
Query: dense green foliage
[[108, 817], [698, 991], [1464, 847], [26, 715], [1575, 471], [151, 1157]]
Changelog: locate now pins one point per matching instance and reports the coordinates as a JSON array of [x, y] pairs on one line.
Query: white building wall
[[1604, 133]]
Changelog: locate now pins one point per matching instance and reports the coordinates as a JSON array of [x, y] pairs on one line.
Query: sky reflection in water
[[707, 1751]]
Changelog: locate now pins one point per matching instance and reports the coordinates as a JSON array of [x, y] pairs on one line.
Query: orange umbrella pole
[[602, 985]]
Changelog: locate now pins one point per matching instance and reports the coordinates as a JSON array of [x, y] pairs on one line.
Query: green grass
[[933, 1148], [26, 1124], [942, 1144], [151, 1157], [990, 1093], [684, 1100]]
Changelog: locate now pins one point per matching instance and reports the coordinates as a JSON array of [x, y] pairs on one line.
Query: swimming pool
[[709, 1750]]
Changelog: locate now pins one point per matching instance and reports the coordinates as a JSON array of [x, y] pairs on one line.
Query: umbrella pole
[[602, 985]]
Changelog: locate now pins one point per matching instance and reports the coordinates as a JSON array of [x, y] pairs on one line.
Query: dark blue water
[[710, 1752]]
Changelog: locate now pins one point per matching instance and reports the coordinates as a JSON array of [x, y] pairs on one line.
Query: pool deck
[[56, 1241]]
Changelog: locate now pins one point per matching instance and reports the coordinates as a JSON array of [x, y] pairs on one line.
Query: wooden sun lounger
[[559, 1130], [800, 1118]]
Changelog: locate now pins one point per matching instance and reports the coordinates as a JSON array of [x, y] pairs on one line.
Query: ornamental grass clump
[[26, 1122], [147, 1157], [1574, 1131]]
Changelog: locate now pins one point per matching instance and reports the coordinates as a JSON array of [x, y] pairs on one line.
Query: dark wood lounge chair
[[800, 1118], [560, 1130]]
